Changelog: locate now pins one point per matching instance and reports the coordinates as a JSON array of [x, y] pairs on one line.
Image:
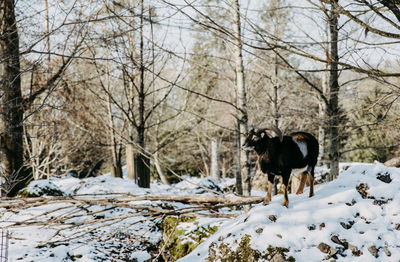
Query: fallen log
[[127, 198], [394, 162]]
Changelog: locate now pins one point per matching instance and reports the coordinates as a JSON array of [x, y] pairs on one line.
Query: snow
[[332, 205], [337, 209]]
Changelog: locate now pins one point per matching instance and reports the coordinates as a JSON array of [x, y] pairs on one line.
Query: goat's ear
[[251, 132], [263, 134]]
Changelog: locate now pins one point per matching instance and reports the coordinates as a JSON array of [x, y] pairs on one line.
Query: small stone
[[384, 177], [279, 235], [354, 250], [336, 240], [312, 227], [373, 250], [347, 225], [332, 252], [352, 203], [278, 257], [362, 189], [324, 248], [380, 202], [387, 251], [321, 226], [272, 218], [397, 227], [259, 230]]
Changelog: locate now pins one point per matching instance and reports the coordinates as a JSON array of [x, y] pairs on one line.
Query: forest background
[[173, 87]]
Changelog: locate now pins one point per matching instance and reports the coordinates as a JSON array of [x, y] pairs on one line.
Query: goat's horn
[[274, 128]]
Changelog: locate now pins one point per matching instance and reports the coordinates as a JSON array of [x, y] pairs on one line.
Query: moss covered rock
[[41, 188], [244, 252], [181, 235]]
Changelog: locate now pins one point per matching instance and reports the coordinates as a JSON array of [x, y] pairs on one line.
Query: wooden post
[[215, 168]]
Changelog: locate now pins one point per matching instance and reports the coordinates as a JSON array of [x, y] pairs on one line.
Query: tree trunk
[[142, 169], [130, 161], [215, 168], [116, 169], [322, 106], [241, 99], [160, 172], [295, 183], [239, 189], [276, 93], [11, 126], [142, 162], [47, 31], [333, 101]]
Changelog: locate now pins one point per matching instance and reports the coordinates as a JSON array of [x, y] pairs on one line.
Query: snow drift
[[354, 218]]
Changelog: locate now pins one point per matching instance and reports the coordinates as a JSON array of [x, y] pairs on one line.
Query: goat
[[283, 154]]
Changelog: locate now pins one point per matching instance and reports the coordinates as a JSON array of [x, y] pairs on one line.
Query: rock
[[259, 230], [244, 252], [366, 220], [272, 218], [39, 188], [351, 203], [332, 252], [336, 240], [209, 183], [354, 250], [347, 225], [362, 189], [373, 250], [278, 257], [387, 251], [321, 226], [312, 227], [397, 227], [324, 248], [380, 202], [385, 177]]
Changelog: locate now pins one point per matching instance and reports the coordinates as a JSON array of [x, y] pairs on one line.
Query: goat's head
[[258, 139]]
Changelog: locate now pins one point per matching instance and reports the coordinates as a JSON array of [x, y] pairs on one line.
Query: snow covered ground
[[354, 218]]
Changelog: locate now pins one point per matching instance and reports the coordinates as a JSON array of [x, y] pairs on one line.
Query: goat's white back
[[302, 146]]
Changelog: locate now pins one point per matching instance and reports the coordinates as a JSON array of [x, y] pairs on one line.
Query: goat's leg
[[285, 181], [302, 183], [268, 196], [311, 182], [270, 184]]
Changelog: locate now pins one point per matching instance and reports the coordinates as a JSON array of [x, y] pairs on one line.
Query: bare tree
[[11, 142], [241, 98], [215, 169], [333, 93]]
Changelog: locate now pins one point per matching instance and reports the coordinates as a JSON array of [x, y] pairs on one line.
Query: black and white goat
[[281, 155]]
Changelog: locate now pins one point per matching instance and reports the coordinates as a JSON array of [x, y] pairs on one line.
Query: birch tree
[[333, 94], [241, 99]]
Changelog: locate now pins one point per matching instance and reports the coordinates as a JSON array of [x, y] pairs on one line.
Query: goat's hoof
[[285, 204], [266, 202], [299, 192]]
